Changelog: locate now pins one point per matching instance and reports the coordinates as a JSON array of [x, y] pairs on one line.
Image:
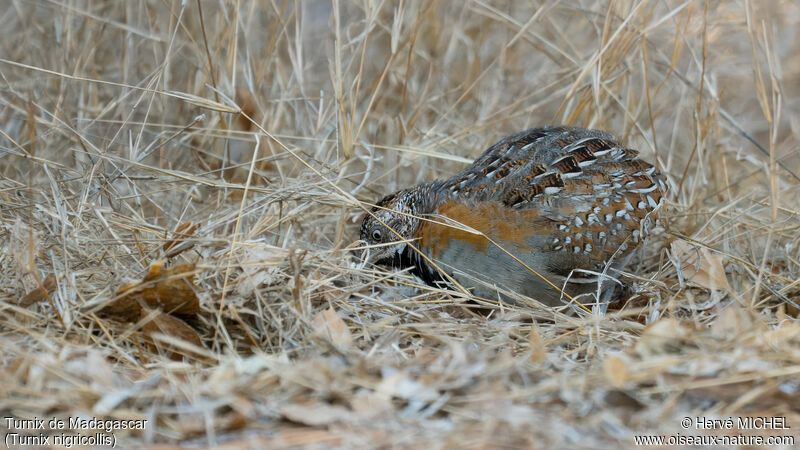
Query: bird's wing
[[582, 190]]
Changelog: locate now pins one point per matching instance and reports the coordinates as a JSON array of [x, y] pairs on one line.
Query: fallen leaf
[[171, 290], [172, 326], [782, 337], [731, 322], [330, 326], [248, 108], [615, 368], [664, 336], [370, 405], [700, 266], [315, 414], [192, 426], [401, 385], [184, 231], [39, 293]]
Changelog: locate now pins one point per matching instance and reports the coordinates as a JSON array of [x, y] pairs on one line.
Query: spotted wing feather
[[592, 194]]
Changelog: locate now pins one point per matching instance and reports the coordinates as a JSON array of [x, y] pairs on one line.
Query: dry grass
[[237, 145]]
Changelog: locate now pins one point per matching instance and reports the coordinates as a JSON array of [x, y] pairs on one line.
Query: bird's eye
[[376, 235]]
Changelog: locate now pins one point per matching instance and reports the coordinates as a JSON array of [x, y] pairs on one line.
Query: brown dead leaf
[[301, 437], [664, 336], [171, 326], [329, 325], [246, 121], [39, 293], [370, 405], [401, 385], [184, 231], [171, 290], [700, 266], [315, 414], [782, 337], [731, 322], [615, 368], [190, 426], [248, 107]]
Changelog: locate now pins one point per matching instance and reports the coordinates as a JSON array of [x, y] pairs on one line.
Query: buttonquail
[[558, 199]]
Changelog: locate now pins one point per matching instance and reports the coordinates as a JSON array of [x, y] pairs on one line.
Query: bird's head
[[394, 215]]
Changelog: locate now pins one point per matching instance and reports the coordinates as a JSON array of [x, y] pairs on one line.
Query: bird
[[541, 214]]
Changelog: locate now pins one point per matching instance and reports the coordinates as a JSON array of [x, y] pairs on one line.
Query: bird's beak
[[363, 257], [371, 255]]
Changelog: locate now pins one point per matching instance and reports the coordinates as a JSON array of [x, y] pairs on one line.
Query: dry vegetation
[[181, 185]]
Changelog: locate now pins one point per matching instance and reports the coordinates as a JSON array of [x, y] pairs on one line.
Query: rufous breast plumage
[[539, 214]]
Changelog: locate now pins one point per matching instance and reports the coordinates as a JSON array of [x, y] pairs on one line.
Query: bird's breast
[[478, 226]]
